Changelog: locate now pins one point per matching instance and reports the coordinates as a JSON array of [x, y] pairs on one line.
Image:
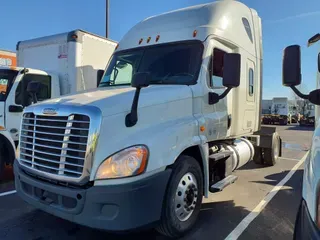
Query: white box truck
[[63, 63], [308, 218], [177, 111]]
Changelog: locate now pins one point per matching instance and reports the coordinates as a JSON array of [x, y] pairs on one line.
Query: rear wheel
[[183, 198], [272, 154], [258, 158]]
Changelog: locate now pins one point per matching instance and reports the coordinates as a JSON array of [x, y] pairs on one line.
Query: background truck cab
[[63, 64]]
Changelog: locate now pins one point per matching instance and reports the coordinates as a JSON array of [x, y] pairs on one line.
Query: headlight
[[128, 162]]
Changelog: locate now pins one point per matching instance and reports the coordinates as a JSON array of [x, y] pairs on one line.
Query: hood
[[114, 100]]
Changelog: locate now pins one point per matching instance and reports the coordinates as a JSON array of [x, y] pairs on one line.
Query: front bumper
[[114, 207], [305, 228]]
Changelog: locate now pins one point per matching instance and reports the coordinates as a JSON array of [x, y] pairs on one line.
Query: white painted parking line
[[290, 159], [235, 234], [7, 193]]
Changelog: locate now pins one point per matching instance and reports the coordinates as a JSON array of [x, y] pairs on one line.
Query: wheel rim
[[186, 197]]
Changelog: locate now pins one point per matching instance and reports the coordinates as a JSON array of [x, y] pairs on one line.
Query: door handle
[[15, 108]]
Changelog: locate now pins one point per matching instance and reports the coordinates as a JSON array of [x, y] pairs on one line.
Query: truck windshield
[[7, 77], [167, 64]]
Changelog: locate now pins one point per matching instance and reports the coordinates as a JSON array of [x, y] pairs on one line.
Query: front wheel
[[2, 164], [183, 198]]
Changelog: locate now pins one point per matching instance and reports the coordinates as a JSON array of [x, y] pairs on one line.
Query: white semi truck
[[176, 112], [63, 63], [308, 218]]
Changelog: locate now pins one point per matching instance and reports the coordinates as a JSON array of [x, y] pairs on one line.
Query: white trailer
[[63, 63], [176, 112], [280, 106]]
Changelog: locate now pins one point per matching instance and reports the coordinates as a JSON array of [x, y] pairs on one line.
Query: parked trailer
[[7, 58], [62, 63], [160, 131]]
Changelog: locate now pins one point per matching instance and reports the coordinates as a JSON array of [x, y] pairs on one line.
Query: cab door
[[18, 94], [216, 115]]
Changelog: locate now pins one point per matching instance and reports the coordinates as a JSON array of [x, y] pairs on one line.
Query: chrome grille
[[54, 144]]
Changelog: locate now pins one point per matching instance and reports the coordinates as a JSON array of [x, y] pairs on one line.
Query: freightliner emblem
[[49, 111]]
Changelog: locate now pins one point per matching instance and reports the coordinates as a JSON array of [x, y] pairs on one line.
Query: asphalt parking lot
[[248, 209]]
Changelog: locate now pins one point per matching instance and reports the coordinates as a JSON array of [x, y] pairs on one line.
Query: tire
[[257, 157], [2, 167], [271, 155], [188, 171]]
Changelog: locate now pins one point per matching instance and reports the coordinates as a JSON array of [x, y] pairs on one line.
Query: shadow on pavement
[[277, 220], [215, 220], [275, 178], [301, 128], [252, 165]]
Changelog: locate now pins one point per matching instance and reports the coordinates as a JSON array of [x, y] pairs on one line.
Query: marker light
[[117, 46], [157, 38], [140, 41], [195, 33], [128, 162], [148, 40]]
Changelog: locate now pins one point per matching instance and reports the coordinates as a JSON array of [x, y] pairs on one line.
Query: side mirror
[[291, 66], [34, 88], [231, 76], [99, 76], [231, 70], [140, 80]]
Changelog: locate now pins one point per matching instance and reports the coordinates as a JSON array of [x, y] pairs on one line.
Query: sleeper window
[[251, 82]]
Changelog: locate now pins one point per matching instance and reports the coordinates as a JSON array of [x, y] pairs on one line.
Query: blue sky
[[285, 22]]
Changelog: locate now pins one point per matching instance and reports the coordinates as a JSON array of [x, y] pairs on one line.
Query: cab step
[[222, 184], [220, 155]]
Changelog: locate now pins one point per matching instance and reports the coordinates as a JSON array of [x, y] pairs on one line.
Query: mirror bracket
[[300, 94], [215, 98], [132, 117]]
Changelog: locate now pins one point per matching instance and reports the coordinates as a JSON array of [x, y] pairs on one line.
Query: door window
[[216, 69], [251, 82], [44, 93]]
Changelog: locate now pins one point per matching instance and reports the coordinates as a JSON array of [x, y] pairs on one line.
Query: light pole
[[107, 18]]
